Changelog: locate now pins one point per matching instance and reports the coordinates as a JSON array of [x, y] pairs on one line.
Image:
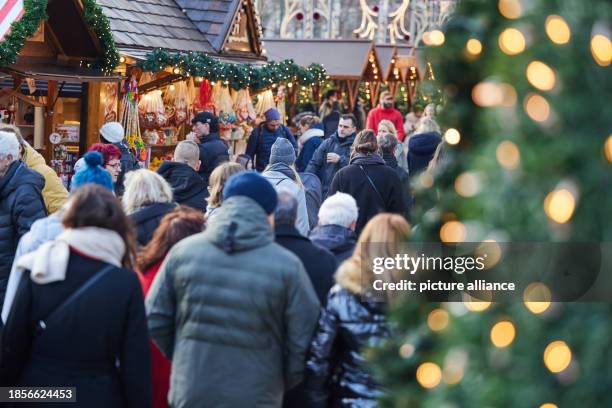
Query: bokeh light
[[436, 38], [537, 107], [608, 148], [559, 205], [511, 41], [467, 184], [541, 75], [438, 319], [475, 305], [548, 405], [601, 49], [502, 334], [508, 155], [453, 231], [557, 29], [537, 297], [452, 136], [557, 356], [428, 375], [473, 46], [510, 9]]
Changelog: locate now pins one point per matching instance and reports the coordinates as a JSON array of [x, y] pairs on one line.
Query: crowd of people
[[218, 280]]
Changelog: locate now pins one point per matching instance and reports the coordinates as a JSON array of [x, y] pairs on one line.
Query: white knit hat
[[112, 131]]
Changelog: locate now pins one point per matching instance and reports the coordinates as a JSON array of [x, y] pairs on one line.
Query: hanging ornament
[[129, 119], [299, 16], [265, 101], [243, 106], [152, 113], [223, 106], [280, 102]]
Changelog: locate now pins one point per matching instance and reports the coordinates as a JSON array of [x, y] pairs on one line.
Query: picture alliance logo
[[412, 264]]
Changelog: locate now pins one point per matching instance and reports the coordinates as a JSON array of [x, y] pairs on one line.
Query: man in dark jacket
[[263, 137], [213, 150], [21, 203], [333, 154], [320, 264], [188, 188], [387, 144], [312, 189], [113, 133], [336, 229], [232, 309]]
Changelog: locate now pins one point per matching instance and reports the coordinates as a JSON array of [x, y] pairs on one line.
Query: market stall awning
[[385, 53], [52, 72], [343, 59]]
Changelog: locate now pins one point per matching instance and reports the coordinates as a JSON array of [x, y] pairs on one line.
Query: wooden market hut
[[48, 87], [400, 67], [348, 62]]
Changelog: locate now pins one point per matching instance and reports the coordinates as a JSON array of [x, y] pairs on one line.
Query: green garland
[[95, 18], [35, 13], [236, 76]]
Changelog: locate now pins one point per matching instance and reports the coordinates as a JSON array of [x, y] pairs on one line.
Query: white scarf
[[49, 262]]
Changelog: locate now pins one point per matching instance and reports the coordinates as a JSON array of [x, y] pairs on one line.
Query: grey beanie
[[282, 152]]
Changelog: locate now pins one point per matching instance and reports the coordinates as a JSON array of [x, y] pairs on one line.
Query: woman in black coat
[[353, 319], [78, 318], [147, 199], [375, 186]]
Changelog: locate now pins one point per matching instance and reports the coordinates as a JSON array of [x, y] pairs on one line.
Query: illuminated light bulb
[[426, 179], [511, 41], [467, 184], [487, 94], [453, 231], [601, 50], [473, 46], [511, 9], [537, 107], [537, 297], [371, 59], [548, 405], [438, 319], [427, 38], [476, 305], [436, 38], [452, 136], [172, 88], [508, 155], [428, 375], [557, 29], [393, 60], [502, 334], [541, 75], [608, 148], [122, 59], [557, 356], [176, 71], [559, 205], [290, 85]]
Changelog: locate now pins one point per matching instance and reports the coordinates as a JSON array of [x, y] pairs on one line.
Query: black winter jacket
[[404, 177], [213, 152], [188, 187], [336, 373], [326, 171], [128, 163], [98, 344], [21, 203], [147, 219], [339, 240], [353, 180], [320, 264]]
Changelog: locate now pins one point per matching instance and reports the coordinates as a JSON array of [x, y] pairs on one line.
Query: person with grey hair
[[337, 221], [388, 144], [147, 199], [21, 203], [188, 187]]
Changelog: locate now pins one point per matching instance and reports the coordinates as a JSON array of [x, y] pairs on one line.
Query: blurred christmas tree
[[428, 91], [528, 157]]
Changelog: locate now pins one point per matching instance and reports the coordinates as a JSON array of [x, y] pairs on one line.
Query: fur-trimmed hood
[[309, 134], [349, 276]]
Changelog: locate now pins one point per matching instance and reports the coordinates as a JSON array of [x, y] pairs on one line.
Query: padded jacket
[[54, 193]]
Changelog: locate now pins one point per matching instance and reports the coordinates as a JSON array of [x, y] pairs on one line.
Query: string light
[[473, 47], [511, 41], [508, 155], [502, 334], [428, 375], [436, 38], [557, 29], [537, 297], [559, 205], [537, 107], [452, 136], [476, 305], [601, 49], [511, 9], [557, 356], [467, 184], [438, 319], [608, 148], [541, 75], [453, 231]]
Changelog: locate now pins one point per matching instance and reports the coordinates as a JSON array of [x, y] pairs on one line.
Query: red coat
[[379, 113], [159, 363]]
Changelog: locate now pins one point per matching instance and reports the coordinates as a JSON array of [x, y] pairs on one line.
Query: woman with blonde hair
[[353, 319], [375, 186], [422, 145], [217, 181], [147, 198], [387, 128]]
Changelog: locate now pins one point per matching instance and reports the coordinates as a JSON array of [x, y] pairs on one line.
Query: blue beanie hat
[[92, 172], [272, 114], [254, 186]]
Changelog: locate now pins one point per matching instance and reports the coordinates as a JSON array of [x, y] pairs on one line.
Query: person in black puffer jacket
[[422, 145], [353, 319], [147, 198], [259, 145], [376, 187], [188, 187], [21, 203], [388, 144]]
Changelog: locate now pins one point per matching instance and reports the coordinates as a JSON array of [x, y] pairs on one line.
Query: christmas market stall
[[180, 60], [52, 53], [400, 71], [350, 64]]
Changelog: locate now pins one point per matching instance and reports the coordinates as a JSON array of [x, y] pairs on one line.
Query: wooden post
[[52, 94]]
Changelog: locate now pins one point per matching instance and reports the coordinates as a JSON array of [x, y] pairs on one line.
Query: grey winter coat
[[234, 311], [279, 176]]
